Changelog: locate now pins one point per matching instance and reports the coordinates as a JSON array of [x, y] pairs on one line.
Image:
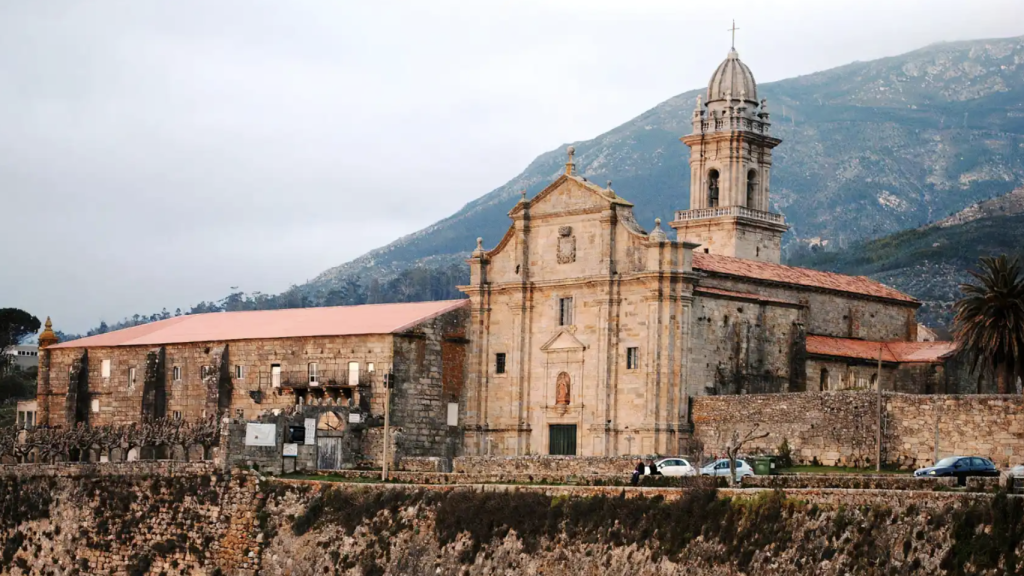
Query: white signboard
[[260, 434], [453, 413], [355, 417], [310, 431], [291, 450]]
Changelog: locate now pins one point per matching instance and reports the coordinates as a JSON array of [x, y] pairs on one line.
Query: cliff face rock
[[869, 149], [393, 531], [158, 518]]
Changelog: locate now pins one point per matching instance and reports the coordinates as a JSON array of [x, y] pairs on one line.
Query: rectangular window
[[106, 369], [95, 406], [353, 373], [275, 375], [176, 373], [131, 377], [206, 371], [499, 363], [369, 367], [312, 373], [239, 372], [632, 358], [565, 311]]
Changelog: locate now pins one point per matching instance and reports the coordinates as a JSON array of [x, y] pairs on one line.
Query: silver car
[[721, 468]]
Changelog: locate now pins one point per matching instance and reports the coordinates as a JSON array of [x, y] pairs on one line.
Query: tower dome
[[732, 79]]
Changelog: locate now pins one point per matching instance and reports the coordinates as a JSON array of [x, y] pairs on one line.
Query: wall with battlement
[[840, 428]]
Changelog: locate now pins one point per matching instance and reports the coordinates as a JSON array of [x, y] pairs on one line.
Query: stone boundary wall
[[162, 468], [840, 428], [423, 464], [848, 482], [556, 465], [454, 479]]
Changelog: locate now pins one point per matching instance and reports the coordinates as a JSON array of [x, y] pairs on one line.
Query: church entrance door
[[562, 441]]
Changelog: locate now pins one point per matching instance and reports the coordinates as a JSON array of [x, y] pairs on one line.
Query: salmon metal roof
[[719, 264], [868, 350], [266, 324]]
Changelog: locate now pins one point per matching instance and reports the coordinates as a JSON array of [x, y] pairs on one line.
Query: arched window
[[823, 382], [713, 189], [752, 189]]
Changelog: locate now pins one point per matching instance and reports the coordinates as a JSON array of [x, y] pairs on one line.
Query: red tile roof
[[718, 264], [743, 295], [262, 324], [868, 350]]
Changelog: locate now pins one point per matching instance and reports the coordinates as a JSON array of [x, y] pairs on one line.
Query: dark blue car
[[961, 467]]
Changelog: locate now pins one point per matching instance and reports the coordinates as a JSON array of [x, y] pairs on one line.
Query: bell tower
[[730, 170]]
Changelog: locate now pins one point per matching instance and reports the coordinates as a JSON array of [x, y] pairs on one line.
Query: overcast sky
[[156, 153]]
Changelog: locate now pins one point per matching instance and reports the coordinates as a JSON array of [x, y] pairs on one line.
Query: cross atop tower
[[733, 30]]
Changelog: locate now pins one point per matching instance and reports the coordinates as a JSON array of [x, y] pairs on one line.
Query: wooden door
[[562, 440], [329, 453]]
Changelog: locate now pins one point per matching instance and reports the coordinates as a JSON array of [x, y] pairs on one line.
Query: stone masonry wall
[[138, 518], [158, 518], [840, 428]]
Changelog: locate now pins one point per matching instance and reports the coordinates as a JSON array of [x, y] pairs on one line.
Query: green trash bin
[[762, 466]]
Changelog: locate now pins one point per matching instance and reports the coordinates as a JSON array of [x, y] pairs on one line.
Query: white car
[[675, 467], [721, 468]]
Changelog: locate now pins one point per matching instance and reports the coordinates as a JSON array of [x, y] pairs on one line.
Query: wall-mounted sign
[[291, 450], [355, 417], [260, 434], [453, 413], [310, 431]]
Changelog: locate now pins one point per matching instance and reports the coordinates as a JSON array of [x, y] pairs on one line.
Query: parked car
[[675, 467], [959, 466], [721, 468], [1016, 472]]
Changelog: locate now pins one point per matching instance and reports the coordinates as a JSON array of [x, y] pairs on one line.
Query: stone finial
[[570, 165], [522, 194], [743, 94], [47, 337], [700, 103], [657, 235], [479, 252], [764, 105]]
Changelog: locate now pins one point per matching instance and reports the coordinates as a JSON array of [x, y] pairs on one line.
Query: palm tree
[[989, 322]]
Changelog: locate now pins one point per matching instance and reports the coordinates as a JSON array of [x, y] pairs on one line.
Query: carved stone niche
[[566, 245]]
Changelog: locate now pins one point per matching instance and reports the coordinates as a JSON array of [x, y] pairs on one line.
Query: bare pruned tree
[[735, 445]]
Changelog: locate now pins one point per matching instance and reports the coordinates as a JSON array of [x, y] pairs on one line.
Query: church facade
[[589, 335]]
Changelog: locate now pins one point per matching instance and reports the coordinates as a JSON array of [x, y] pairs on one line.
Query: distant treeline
[[412, 285]]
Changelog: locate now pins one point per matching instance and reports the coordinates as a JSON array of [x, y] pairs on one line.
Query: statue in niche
[[562, 389]]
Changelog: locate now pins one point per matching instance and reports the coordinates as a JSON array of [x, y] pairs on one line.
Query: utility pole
[[387, 423], [938, 411], [878, 453]]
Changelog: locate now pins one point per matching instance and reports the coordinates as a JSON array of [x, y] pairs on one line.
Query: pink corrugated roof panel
[[265, 324]]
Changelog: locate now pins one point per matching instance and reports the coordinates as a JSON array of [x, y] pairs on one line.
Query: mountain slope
[[869, 148], [932, 261]]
